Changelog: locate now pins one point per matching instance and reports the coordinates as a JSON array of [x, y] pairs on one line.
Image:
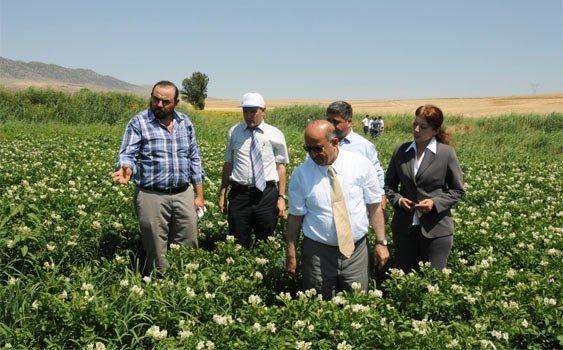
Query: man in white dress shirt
[[324, 267], [254, 169]]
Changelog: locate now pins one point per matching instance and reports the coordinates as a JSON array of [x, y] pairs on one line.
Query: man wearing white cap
[[255, 158]]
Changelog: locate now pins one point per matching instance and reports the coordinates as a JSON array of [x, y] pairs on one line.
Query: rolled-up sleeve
[[130, 146], [196, 167], [280, 150]]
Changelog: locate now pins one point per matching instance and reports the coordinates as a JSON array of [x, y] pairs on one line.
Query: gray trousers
[[165, 219], [329, 272]]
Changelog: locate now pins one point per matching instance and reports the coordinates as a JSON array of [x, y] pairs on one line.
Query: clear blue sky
[[301, 49]]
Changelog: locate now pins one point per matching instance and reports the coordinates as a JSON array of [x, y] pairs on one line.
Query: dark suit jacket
[[439, 178]]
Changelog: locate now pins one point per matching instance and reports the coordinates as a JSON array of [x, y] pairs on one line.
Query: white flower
[[12, 281], [496, 334], [284, 296], [192, 266], [224, 277], [447, 271], [222, 320], [87, 287], [35, 305], [257, 326], [358, 308], [117, 225], [510, 273], [190, 292], [174, 246], [254, 299], [376, 293], [302, 345], [524, 323], [452, 344], [96, 225], [309, 293], [261, 261], [343, 346], [10, 243], [356, 286], [485, 263], [124, 282], [230, 261], [356, 325], [137, 290], [421, 327], [209, 345], [230, 239], [339, 300], [300, 324], [549, 301], [432, 289], [64, 295], [147, 279], [157, 334], [51, 246], [120, 260], [271, 327], [209, 295], [258, 275], [184, 334], [100, 346]]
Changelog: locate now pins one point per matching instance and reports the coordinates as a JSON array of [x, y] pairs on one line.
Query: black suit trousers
[[250, 210]]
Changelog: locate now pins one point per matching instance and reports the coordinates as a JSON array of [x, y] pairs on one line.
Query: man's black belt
[[170, 190], [238, 187]]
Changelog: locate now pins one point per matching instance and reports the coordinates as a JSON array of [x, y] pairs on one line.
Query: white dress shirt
[[360, 145], [237, 152], [309, 195], [432, 148]]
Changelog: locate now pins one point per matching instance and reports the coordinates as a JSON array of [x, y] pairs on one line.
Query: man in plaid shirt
[[159, 152]]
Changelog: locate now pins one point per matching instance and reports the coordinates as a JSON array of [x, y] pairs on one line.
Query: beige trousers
[[165, 219]]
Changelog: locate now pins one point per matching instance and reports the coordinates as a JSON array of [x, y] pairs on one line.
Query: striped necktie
[[341, 216], [256, 161]]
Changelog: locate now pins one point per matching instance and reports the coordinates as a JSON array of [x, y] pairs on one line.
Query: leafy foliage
[[194, 89]]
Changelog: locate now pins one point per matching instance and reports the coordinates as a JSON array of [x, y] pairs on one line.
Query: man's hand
[[199, 202], [281, 207], [425, 205], [381, 255], [291, 265], [222, 203], [123, 175]]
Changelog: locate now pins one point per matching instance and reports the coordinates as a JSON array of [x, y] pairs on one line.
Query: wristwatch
[[381, 241], [282, 196]]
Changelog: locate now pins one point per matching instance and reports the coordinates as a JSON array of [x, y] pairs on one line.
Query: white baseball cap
[[252, 99]]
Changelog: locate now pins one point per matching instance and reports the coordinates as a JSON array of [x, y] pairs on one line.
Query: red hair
[[434, 117]]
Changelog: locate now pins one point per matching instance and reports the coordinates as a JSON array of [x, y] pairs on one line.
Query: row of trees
[[194, 90]]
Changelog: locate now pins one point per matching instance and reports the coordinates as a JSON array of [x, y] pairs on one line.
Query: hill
[[19, 75]]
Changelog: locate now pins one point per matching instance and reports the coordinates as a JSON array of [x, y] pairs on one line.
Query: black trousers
[[412, 247], [250, 210]]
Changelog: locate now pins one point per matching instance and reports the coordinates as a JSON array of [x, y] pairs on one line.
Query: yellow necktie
[[341, 216]]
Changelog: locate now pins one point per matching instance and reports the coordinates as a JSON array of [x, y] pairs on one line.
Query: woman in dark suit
[[423, 182]]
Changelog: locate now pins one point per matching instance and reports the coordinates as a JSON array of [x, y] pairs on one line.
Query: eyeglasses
[[313, 149], [156, 100]]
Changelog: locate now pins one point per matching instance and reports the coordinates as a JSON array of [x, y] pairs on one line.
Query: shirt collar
[[348, 138], [152, 117], [431, 145], [259, 127]]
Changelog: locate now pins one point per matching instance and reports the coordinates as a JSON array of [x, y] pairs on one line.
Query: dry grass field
[[469, 107]]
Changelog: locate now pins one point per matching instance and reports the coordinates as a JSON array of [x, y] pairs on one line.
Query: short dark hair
[[167, 83], [341, 108]]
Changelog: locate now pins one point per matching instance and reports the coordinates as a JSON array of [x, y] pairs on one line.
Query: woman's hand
[[425, 206], [407, 204]]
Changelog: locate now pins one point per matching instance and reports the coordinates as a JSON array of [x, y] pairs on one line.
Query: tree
[[194, 89]]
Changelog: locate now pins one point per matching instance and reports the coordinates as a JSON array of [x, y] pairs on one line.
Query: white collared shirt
[[237, 152], [360, 145], [309, 195], [432, 148]]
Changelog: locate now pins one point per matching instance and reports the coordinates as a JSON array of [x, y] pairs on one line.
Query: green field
[[69, 238]]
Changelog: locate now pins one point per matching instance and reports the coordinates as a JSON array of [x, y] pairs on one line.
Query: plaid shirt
[[160, 159]]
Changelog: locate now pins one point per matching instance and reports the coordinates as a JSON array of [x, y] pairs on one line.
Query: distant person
[[375, 127], [366, 122], [381, 125], [254, 169], [423, 182], [339, 114], [159, 151], [330, 196]]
